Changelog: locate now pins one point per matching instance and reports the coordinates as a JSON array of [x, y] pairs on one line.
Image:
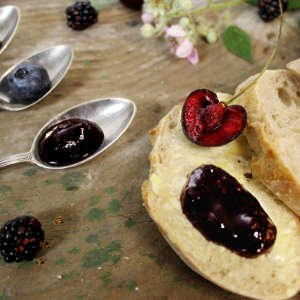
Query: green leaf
[[238, 42], [299, 23], [293, 4]]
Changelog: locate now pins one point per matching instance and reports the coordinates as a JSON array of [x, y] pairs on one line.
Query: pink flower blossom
[[184, 48], [147, 18], [173, 50], [181, 45], [193, 58], [175, 31]]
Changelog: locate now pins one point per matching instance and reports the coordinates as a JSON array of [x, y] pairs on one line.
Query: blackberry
[[20, 239], [81, 15], [270, 9]]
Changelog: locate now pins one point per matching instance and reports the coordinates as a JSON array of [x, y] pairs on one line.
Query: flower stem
[[268, 63], [208, 8], [210, 2]]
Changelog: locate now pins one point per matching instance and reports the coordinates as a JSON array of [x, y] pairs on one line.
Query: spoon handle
[[14, 159]]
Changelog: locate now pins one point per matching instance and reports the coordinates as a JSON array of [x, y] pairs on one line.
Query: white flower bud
[[211, 36], [203, 30], [147, 30], [184, 22]]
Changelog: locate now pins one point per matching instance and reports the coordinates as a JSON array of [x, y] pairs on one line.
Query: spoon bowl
[[9, 22], [112, 115], [56, 61]]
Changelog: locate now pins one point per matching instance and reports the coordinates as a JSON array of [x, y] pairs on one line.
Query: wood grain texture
[[107, 247]]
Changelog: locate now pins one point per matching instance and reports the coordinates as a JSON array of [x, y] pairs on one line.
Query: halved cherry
[[208, 122], [212, 116]]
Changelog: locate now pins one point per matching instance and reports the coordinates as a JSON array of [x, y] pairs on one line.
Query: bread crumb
[[40, 260], [48, 243], [58, 220]]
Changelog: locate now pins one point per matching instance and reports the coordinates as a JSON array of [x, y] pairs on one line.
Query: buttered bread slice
[[273, 131], [274, 274]]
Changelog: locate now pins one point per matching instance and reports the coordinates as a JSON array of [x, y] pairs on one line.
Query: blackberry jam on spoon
[[32, 79], [9, 22], [78, 134]]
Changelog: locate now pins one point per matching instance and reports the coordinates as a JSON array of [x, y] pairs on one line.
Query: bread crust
[[269, 164], [158, 206]]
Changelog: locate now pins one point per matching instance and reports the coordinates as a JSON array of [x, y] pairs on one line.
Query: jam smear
[[219, 207], [70, 141]]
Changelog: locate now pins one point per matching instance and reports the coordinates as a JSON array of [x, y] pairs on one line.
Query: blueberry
[[28, 82]]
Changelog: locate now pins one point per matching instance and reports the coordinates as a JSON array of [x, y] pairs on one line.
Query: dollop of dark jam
[[70, 141], [219, 207]]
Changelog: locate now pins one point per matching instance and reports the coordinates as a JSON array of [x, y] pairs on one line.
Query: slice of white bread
[[273, 131], [273, 275]]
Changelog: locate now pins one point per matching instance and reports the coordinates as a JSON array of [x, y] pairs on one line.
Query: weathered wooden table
[[107, 246]]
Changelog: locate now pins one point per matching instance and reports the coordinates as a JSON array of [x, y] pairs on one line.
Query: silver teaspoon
[[9, 21], [56, 61], [112, 115]]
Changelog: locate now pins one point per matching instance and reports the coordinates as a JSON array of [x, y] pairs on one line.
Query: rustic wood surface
[[108, 247]]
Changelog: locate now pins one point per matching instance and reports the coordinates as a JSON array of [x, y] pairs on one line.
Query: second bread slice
[[273, 131]]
